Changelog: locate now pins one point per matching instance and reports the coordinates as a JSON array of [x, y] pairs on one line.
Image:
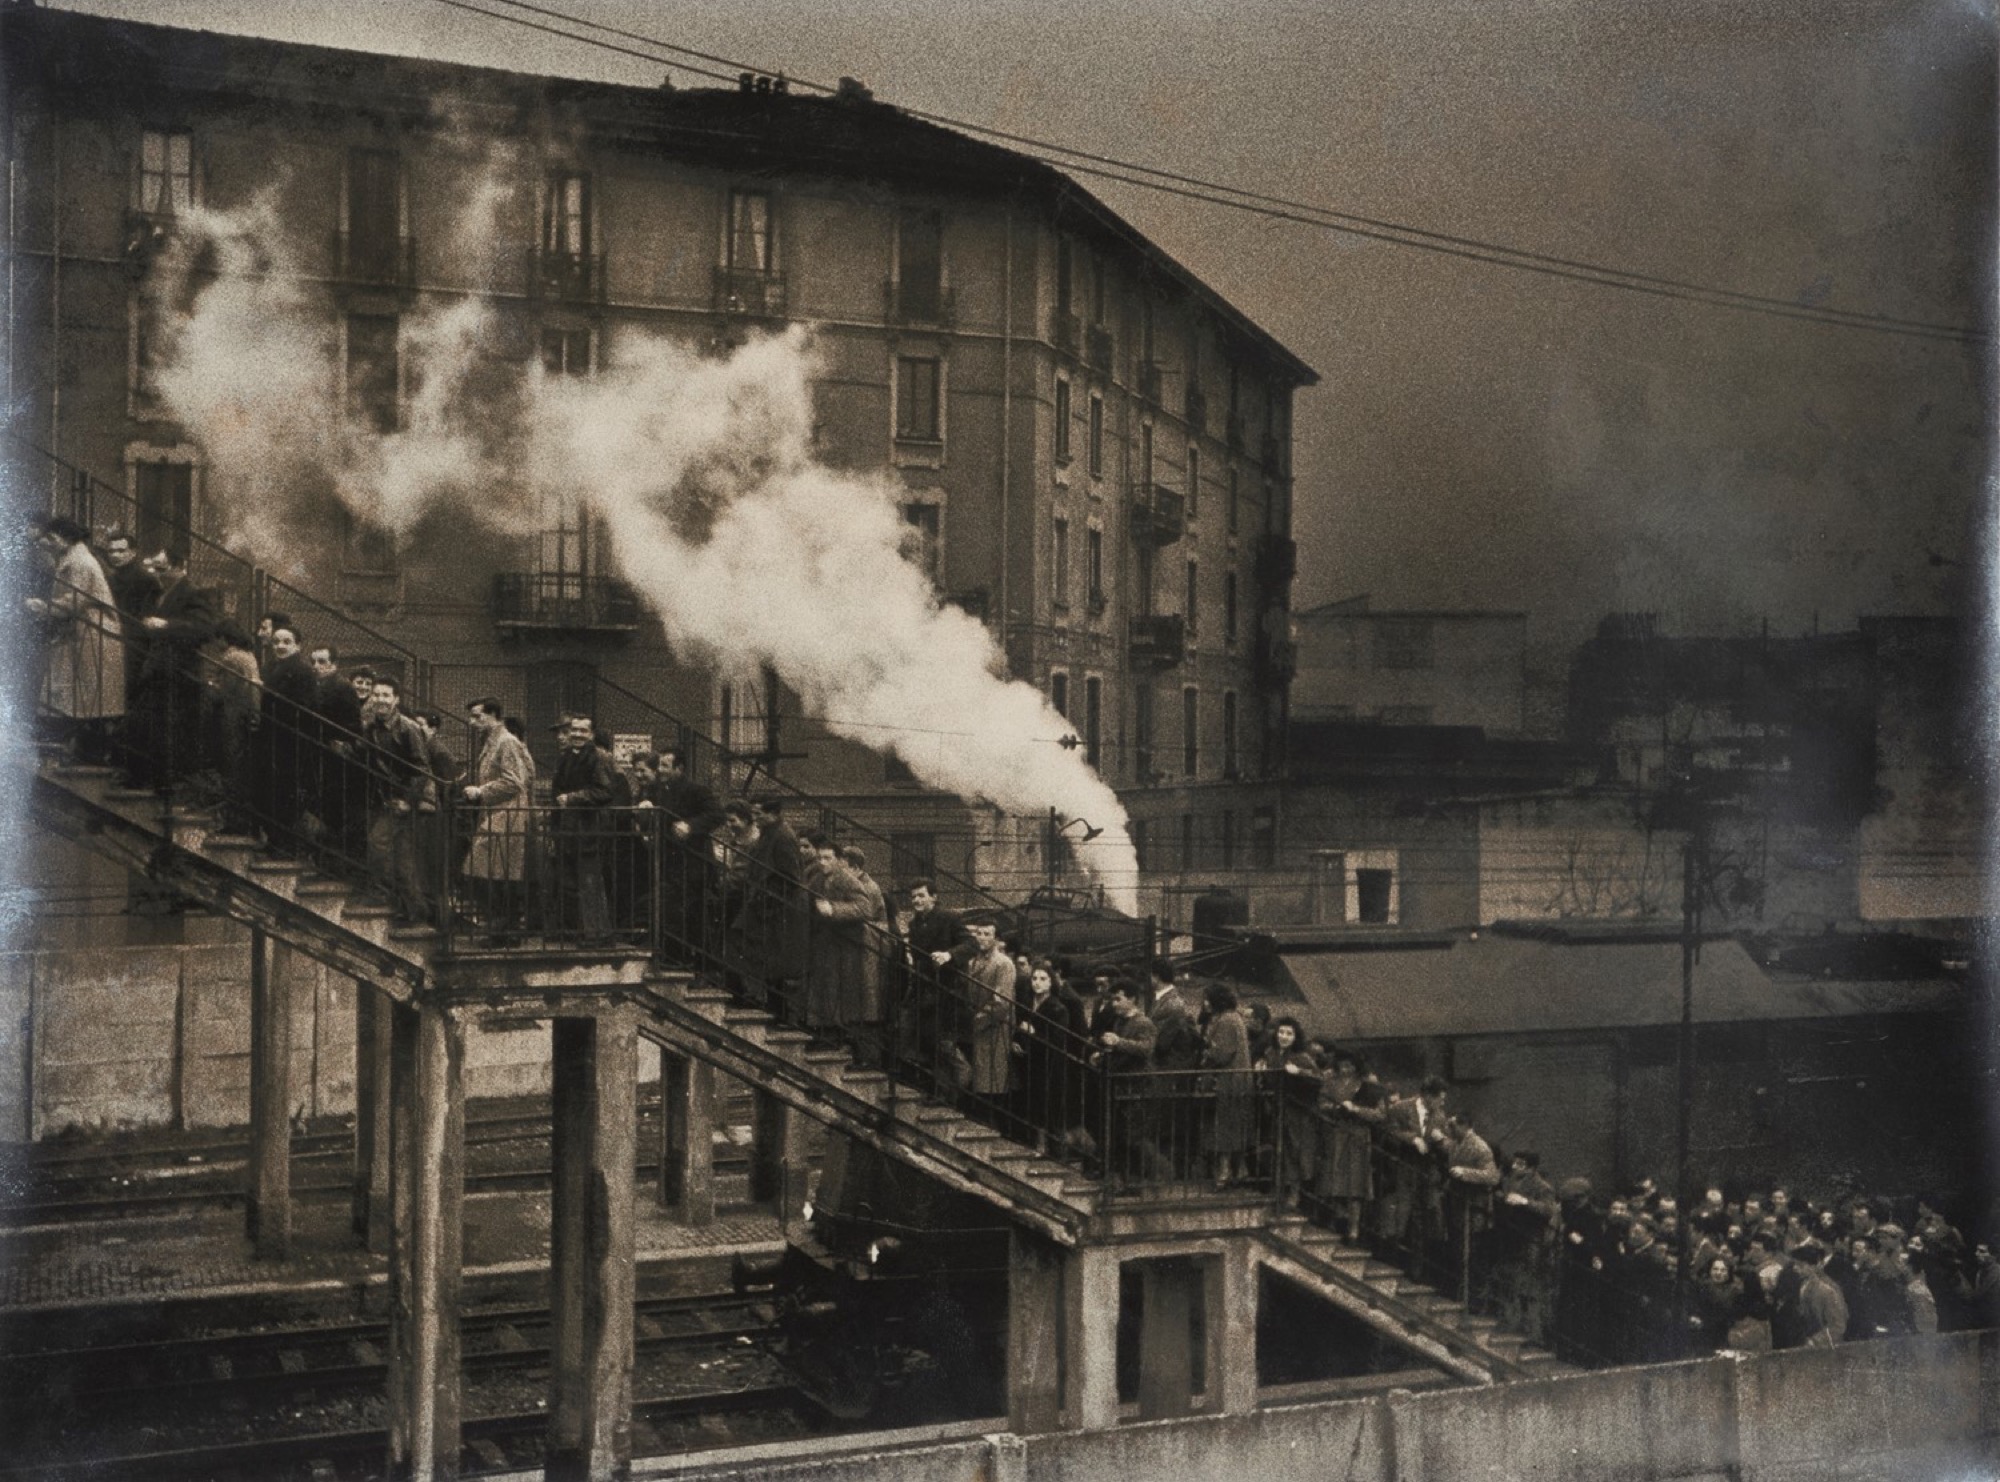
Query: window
[[1403, 643], [1059, 558], [1373, 891], [1146, 459], [374, 215], [164, 493], [1141, 850], [920, 264], [1146, 316], [1097, 293], [1227, 839], [917, 409], [1142, 578], [1192, 609], [374, 373], [1059, 694], [1093, 549], [1235, 499], [1232, 764], [166, 172], [1190, 732], [1065, 273], [1142, 732], [750, 232], [1095, 435], [1228, 607], [922, 517], [1193, 479], [912, 856], [1093, 721], [566, 352], [1264, 838], [745, 714], [566, 215], [1062, 420], [366, 549], [1187, 841]]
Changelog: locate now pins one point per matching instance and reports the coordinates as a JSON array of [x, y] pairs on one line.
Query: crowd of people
[[1150, 1083]]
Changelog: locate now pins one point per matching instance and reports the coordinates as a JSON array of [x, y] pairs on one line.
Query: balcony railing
[[1159, 514], [374, 260], [561, 601], [1097, 347], [917, 303], [566, 277], [1069, 333], [1149, 380], [1159, 639], [1197, 409], [1277, 560], [753, 292]]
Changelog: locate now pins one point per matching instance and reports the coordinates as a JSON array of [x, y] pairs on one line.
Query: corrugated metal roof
[[1503, 985]]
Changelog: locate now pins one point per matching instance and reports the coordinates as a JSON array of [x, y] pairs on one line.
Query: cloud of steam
[[702, 472]]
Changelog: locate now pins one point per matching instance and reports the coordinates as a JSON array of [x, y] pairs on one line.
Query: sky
[[1483, 437]]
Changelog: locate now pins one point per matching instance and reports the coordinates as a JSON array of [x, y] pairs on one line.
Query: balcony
[[375, 260], [1277, 560], [1159, 514], [1159, 640], [566, 277], [918, 304], [1069, 332], [1149, 380], [1197, 409], [1097, 348], [550, 602], [1276, 659], [753, 293]]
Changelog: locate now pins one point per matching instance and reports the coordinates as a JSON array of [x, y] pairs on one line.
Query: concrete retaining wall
[[1919, 1408], [114, 1038]]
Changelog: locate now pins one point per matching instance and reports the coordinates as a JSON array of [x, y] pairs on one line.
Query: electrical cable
[[1281, 208]]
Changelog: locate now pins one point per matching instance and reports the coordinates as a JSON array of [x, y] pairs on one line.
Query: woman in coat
[[1293, 1074], [502, 785], [1050, 1039], [1227, 1052], [84, 686], [1343, 1155]]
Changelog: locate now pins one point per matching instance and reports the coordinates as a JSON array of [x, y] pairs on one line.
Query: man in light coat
[[501, 785], [83, 693]]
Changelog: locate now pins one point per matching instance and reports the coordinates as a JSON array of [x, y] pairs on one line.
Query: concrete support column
[[687, 1132], [268, 1204], [594, 1143], [777, 1157], [1090, 1338], [372, 1019], [427, 1194], [1171, 1288], [1232, 1329]]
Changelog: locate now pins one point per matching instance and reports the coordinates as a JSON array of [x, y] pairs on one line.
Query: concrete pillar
[[594, 1141], [1232, 1330], [1171, 1288], [427, 1196], [687, 1138], [370, 1202], [267, 1206], [777, 1157], [1090, 1338], [1037, 1272]]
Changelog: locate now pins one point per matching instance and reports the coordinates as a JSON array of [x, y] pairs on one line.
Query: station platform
[[206, 1255]]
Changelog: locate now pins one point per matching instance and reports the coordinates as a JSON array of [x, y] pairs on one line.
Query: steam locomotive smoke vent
[[702, 471]]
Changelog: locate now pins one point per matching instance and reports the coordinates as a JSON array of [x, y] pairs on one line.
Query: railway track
[[244, 1404]]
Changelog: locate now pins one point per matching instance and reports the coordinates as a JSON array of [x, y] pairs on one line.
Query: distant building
[[1415, 668]]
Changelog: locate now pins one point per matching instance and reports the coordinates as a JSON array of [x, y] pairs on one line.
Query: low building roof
[[1503, 985]]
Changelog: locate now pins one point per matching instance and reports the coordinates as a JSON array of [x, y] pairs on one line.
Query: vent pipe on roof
[[854, 90]]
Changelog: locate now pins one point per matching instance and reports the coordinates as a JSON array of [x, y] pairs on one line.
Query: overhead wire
[[1189, 187]]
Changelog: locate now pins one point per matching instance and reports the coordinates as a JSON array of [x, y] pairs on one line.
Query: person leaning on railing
[[1123, 1050], [83, 687], [583, 786], [1232, 1119]]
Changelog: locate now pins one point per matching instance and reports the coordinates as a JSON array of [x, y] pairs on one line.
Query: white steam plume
[[702, 472]]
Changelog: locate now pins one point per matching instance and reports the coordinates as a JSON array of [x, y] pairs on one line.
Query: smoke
[[701, 470]]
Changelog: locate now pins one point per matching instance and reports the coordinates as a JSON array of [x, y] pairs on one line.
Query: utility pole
[[1049, 895], [1693, 864]]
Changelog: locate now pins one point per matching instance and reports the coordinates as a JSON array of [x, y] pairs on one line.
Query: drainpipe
[[1006, 434]]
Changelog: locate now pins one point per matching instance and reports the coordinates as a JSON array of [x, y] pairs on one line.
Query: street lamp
[[1058, 825]]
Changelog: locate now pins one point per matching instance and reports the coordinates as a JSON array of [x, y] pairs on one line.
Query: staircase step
[[934, 1113], [131, 795]]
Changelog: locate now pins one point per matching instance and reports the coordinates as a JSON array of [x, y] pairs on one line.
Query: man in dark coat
[[339, 785], [435, 871], [400, 792], [930, 1000], [773, 922], [287, 726], [176, 622], [584, 785], [689, 815]]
